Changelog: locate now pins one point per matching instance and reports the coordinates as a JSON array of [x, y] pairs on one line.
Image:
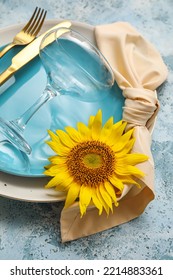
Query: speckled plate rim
[[27, 188]]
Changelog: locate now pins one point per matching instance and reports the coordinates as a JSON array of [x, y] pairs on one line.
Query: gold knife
[[27, 54]]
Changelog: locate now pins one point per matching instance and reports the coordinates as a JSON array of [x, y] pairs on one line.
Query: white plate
[[32, 188]]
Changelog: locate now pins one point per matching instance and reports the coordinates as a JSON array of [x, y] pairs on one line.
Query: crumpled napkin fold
[[138, 70]]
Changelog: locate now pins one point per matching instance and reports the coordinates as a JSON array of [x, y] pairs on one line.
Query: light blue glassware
[[74, 67]]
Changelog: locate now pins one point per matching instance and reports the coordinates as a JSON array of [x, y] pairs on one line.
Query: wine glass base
[[11, 133]]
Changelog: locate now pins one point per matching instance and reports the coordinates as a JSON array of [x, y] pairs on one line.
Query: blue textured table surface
[[31, 230]]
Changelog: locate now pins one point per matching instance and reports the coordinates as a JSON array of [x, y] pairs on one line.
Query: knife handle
[[4, 76]]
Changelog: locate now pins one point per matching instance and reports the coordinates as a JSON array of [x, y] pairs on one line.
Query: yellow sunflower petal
[[107, 129], [58, 148], [56, 180], [90, 122], [48, 166], [65, 185], [127, 148], [123, 141], [84, 198], [133, 159], [106, 197], [117, 124], [61, 188], [84, 130], [96, 201], [117, 183], [48, 172], [135, 171], [128, 180], [97, 125], [111, 191], [116, 133], [73, 134], [119, 127], [53, 136], [65, 139], [55, 169], [72, 194], [57, 160], [129, 170], [99, 196]]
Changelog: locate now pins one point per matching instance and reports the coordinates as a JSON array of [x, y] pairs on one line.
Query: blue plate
[[20, 92]]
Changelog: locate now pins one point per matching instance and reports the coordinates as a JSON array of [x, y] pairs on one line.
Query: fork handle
[[6, 49], [4, 76]]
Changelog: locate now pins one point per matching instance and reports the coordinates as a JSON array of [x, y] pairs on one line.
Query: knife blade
[[28, 53]]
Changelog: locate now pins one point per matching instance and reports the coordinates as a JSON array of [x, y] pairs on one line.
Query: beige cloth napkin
[[138, 70]]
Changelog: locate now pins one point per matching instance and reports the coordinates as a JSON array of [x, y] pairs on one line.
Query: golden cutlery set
[[27, 36]]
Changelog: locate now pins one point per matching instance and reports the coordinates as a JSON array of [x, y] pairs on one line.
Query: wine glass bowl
[[74, 67]]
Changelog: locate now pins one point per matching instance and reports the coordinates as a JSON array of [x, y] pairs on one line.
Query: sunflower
[[92, 163]]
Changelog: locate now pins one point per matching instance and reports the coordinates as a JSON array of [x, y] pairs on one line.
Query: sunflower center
[[91, 162]]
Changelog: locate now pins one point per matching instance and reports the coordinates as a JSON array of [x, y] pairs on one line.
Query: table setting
[[79, 108]]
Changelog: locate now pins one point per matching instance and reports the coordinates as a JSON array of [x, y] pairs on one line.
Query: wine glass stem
[[22, 121]]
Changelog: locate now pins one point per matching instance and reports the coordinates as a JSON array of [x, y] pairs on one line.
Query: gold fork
[[29, 32]]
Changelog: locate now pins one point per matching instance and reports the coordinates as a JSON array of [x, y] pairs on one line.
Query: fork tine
[[40, 24], [33, 22], [37, 20], [29, 22]]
